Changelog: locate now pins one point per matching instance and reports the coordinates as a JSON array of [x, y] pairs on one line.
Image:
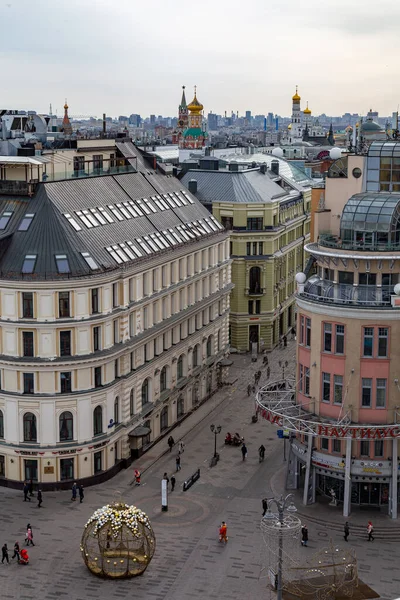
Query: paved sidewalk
[[189, 563]]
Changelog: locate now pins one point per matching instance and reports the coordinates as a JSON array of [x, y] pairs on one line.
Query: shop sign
[[360, 467], [48, 470], [328, 462], [96, 446], [26, 453]]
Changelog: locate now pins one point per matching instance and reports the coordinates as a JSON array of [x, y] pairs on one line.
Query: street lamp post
[[216, 429], [281, 505]]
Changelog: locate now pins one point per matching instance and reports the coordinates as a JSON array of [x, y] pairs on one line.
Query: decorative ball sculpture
[[118, 541]]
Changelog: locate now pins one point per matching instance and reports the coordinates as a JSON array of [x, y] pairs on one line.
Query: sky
[[132, 56]]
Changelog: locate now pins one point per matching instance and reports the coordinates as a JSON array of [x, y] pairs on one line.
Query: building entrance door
[[369, 493], [31, 470], [253, 335]]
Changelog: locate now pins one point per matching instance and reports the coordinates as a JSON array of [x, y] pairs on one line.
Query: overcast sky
[[133, 56]]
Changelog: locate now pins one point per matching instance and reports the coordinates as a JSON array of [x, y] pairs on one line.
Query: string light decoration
[[118, 541]]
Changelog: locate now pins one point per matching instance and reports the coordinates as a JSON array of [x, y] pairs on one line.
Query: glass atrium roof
[[286, 169]]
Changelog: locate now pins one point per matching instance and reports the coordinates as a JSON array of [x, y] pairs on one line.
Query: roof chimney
[[233, 166], [275, 167], [263, 168], [192, 185]]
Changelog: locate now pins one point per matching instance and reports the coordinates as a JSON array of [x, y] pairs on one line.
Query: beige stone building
[[267, 211], [114, 299]]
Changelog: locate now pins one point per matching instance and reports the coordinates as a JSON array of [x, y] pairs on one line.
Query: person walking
[[244, 451], [261, 452], [171, 442], [29, 536], [166, 478], [16, 551], [370, 531], [39, 498], [137, 477], [249, 389], [26, 492], [304, 535], [81, 493], [178, 462], [181, 447], [4, 551], [264, 506], [173, 481], [346, 531], [223, 530], [74, 490]]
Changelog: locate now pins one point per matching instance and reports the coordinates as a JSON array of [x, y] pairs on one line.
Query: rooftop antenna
[[50, 111]]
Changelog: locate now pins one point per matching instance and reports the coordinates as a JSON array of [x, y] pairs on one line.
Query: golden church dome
[[195, 106], [289, 126], [307, 111], [296, 97]]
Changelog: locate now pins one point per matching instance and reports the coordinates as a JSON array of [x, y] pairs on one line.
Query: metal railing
[[339, 293], [332, 241]]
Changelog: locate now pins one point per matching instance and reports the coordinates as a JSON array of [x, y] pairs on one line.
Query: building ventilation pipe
[[192, 186]]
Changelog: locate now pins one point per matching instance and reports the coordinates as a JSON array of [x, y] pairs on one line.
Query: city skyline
[[104, 63]]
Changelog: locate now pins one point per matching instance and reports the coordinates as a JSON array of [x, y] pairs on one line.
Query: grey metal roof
[[51, 232], [235, 186]]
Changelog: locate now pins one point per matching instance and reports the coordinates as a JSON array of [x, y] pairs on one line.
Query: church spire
[[66, 124], [183, 101]]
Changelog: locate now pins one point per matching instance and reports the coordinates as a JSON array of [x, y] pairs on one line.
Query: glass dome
[[372, 221]]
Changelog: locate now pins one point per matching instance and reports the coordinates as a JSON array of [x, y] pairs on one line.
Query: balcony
[[325, 291], [255, 291], [328, 240], [17, 188]]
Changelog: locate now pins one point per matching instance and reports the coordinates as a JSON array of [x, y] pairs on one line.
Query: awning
[[140, 431], [225, 362]]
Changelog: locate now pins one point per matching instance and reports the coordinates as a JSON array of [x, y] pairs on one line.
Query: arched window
[[30, 431], [255, 280], [209, 383], [179, 368], [209, 346], [66, 427], [116, 410], [145, 392], [196, 350], [164, 418], [195, 395], [132, 403], [97, 420], [164, 379], [180, 407], [1, 424]]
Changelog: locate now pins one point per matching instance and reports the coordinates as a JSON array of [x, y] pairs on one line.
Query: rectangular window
[[324, 444], [250, 307], [260, 248], [307, 381], [97, 163], [337, 446], [308, 333], [27, 305], [29, 386], [28, 266], [380, 393], [326, 387], [364, 448], [90, 261], [26, 221], [27, 342], [97, 377], [4, 219], [258, 307], [65, 343], [368, 341], [338, 389], [248, 248], [116, 331], [383, 342], [301, 382], [255, 223], [327, 337], [95, 300], [227, 223], [65, 382], [302, 319], [378, 448], [116, 368], [97, 459], [115, 295], [96, 339], [63, 304], [366, 395], [79, 165], [339, 342], [254, 248], [62, 263]]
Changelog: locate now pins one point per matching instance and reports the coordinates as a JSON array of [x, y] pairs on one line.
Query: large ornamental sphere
[[118, 541], [335, 153], [278, 152]]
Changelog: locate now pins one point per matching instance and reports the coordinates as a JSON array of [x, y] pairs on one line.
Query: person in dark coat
[[26, 492], [173, 481], [171, 442], [81, 493], [74, 489], [4, 551], [264, 506], [16, 551], [244, 451], [178, 462], [346, 531], [304, 535], [39, 498]]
